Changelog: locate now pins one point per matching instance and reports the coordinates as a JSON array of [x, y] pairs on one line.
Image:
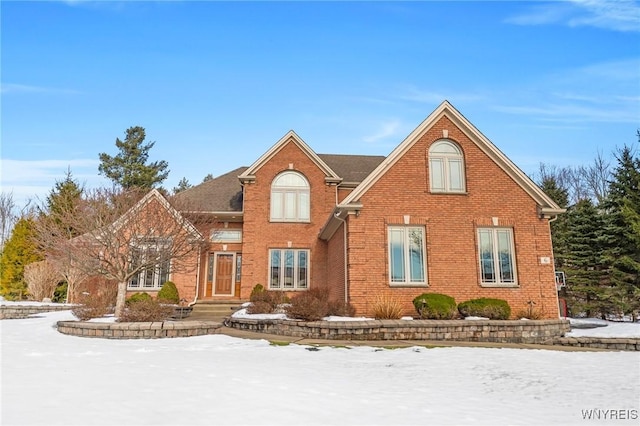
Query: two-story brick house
[[444, 212]]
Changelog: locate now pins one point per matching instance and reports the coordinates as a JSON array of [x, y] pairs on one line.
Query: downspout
[[344, 245], [197, 278]]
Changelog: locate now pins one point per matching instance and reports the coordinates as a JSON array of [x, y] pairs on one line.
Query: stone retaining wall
[[515, 331], [138, 330], [23, 311], [610, 343]]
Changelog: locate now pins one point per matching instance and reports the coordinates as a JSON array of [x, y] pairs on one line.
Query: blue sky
[[215, 84]]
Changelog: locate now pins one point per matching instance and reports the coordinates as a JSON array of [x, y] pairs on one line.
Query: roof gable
[[155, 195], [546, 205], [291, 137]]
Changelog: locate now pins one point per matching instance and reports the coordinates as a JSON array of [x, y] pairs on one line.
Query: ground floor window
[[407, 255], [497, 256], [154, 273], [288, 269]]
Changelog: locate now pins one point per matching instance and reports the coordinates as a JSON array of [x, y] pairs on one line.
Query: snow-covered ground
[[52, 379]]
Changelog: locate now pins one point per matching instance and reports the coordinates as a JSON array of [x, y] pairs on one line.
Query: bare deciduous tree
[[42, 278], [7, 216], [121, 234]]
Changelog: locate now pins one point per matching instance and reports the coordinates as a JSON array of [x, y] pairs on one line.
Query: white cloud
[[8, 88], [386, 130], [34, 179], [615, 15]]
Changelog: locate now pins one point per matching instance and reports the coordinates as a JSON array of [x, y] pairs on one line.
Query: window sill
[[396, 285], [494, 285], [289, 221], [448, 193]]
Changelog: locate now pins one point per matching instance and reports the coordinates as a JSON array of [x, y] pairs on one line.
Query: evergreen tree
[[19, 251], [64, 199], [622, 245], [560, 195], [207, 178], [129, 168], [586, 275], [182, 185]]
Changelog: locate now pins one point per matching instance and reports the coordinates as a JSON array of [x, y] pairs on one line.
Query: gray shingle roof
[[224, 193]]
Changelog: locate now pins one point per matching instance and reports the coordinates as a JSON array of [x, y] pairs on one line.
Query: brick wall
[[450, 221]]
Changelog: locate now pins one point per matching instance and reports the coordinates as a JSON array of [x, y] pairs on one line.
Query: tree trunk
[[120, 299]]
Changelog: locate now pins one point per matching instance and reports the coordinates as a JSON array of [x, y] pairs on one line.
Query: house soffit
[[445, 109], [290, 137]]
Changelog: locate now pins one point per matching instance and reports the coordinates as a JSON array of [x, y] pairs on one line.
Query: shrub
[[137, 297], [387, 308], [485, 307], [270, 297], [169, 293], [93, 306], [258, 288], [435, 306], [259, 307], [148, 310], [60, 295], [311, 305], [341, 308]]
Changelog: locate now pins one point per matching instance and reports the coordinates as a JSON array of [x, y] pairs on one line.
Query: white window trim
[[446, 159], [496, 264], [157, 273], [298, 192], [223, 236], [407, 260], [296, 284]]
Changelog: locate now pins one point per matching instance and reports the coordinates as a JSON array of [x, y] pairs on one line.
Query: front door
[[225, 267]]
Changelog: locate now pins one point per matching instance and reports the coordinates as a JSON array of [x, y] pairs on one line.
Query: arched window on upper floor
[[290, 198], [446, 167]]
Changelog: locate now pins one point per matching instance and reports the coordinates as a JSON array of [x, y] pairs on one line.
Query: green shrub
[[137, 297], [435, 306], [485, 307], [169, 293], [148, 310], [60, 294], [258, 288]]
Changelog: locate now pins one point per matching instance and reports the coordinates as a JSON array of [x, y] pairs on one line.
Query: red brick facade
[[353, 222]]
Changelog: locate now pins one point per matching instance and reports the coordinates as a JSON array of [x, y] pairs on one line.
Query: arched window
[[290, 198], [446, 167]]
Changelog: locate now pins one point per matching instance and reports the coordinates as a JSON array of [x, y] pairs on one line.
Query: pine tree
[[64, 199], [586, 277], [622, 245], [182, 185], [129, 168], [19, 251], [560, 195]]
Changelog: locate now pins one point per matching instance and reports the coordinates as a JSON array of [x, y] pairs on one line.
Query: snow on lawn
[[594, 327], [52, 379]]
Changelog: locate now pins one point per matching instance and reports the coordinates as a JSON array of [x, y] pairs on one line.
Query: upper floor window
[[290, 198], [446, 167]]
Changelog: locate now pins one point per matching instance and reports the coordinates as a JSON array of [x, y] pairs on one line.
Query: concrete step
[[216, 308]]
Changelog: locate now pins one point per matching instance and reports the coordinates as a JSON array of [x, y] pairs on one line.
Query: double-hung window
[[497, 257], [154, 267], [446, 168], [288, 269], [290, 198], [407, 256]]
